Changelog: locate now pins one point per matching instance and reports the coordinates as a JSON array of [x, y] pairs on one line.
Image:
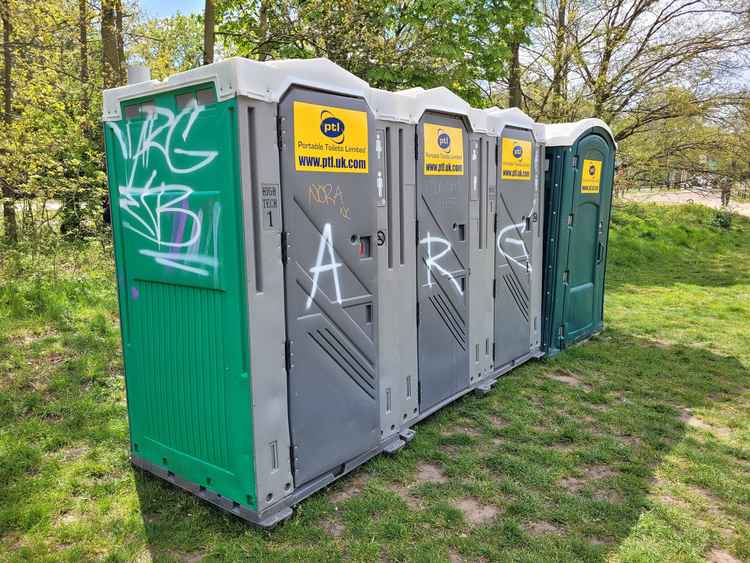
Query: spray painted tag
[[516, 160], [591, 176], [329, 139], [443, 150]]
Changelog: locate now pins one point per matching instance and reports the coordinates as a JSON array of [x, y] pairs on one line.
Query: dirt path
[[743, 208]]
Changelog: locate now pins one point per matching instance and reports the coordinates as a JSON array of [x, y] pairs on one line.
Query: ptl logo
[[331, 126], [518, 151], [444, 140], [592, 170]]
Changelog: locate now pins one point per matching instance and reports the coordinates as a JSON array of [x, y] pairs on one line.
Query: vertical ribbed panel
[[178, 335]]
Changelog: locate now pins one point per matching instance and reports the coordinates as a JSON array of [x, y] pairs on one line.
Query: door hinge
[[575, 162], [570, 220], [494, 288], [546, 164], [566, 275], [417, 313], [288, 356], [291, 458], [562, 331], [284, 249], [494, 224], [416, 145]]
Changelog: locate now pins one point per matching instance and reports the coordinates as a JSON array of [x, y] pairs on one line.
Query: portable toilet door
[[329, 192], [518, 240], [580, 173], [442, 257]]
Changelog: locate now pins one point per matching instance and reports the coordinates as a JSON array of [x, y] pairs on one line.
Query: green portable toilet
[[579, 172]]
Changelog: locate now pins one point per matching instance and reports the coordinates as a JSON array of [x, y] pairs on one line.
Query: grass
[[632, 447]]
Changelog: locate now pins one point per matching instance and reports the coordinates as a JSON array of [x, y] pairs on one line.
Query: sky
[[162, 8]]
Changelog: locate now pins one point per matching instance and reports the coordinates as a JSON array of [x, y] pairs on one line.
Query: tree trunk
[[560, 61], [514, 80], [110, 58], [208, 32], [120, 37], [9, 200], [84, 52], [263, 31]]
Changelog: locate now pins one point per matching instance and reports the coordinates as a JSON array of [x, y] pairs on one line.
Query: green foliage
[[631, 447], [393, 45], [167, 45]]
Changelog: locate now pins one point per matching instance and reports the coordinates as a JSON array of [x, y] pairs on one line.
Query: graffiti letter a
[[326, 244]]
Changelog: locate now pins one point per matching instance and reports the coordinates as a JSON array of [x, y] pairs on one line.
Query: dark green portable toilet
[[579, 172]]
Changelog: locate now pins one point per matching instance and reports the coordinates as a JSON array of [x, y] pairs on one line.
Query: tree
[[111, 66], [464, 45], [9, 200], [208, 32], [167, 45]]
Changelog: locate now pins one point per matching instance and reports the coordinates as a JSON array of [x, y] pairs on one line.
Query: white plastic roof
[[268, 81], [566, 134], [498, 119]]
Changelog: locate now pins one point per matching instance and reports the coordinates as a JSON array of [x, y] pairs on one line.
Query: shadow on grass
[[571, 468]]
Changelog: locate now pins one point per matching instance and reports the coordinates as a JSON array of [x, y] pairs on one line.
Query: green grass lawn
[[632, 447]]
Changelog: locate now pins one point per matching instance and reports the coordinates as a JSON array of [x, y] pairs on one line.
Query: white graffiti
[[432, 260], [504, 241], [148, 205], [326, 244]]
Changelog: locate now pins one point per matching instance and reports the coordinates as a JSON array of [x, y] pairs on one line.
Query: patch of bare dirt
[[454, 557], [192, 557], [632, 441], [569, 378], [693, 421], [572, 484], [599, 472], [721, 556], [462, 429], [350, 487], [669, 500], [333, 528], [450, 449], [405, 493], [474, 511], [498, 422], [565, 447], [430, 473], [575, 484], [608, 496], [72, 453], [542, 527]]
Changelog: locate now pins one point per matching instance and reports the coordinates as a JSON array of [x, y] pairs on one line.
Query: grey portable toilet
[[450, 187], [580, 174], [518, 238]]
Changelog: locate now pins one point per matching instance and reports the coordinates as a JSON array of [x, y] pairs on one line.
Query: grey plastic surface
[[261, 201], [481, 256], [331, 299], [395, 245], [517, 243], [442, 261]]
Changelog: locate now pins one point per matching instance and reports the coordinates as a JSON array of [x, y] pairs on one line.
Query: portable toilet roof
[[566, 134], [268, 81], [514, 117], [441, 99]]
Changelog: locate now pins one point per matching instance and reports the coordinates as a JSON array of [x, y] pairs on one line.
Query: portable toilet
[[580, 160], [263, 220], [454, 267], [518, 239]]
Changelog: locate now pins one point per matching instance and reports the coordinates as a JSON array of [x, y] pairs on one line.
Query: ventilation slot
[[342, 356], [452, 322], [516, 292], [255, 198]]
